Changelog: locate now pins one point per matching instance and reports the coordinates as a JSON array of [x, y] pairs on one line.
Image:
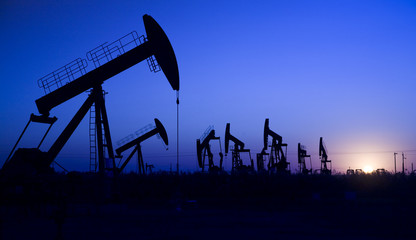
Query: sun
[[368, 169]]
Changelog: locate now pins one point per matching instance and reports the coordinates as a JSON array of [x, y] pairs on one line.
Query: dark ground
[[163, 206]]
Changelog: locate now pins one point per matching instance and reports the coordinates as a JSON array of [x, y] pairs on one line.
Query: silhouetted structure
[[260, 158], [381, 171], [203, 149], [302, 154], [149, 168], [237, 162], [395, 170], [324, 158], [93, 137], [159, 129], [27, 161], [277, 158], [116, 59]]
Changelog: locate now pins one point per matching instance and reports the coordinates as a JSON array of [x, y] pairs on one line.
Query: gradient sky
[[342, 70]]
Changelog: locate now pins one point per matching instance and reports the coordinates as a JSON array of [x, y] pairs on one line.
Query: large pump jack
[[159, 129], [324, 159], [277, 158], [237, 162], [302, 154], [203, 149], [157, 45]]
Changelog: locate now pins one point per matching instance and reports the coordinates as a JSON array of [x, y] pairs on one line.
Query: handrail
[[69, 72]]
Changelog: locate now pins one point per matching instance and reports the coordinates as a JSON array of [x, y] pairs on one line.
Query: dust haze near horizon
[[343, 70]]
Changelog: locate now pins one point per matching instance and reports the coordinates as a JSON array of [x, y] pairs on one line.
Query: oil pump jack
[[324, 158], [302, 154], [156, 49], [277, 158], [203, 149], [159, 129], [237, 162], [263, 153]]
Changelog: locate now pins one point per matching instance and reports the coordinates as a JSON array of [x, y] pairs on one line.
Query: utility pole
[[395, 163], [403, 158], [177, 132]]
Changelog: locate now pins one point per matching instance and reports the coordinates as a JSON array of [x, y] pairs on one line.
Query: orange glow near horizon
[[368, 169]]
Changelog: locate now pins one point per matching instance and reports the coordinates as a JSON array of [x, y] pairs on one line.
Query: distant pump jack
[[203, 149], [237, 162], [324, 159], [260, 158], [302, 154], [156, 44], [277, 158], [158, 130]]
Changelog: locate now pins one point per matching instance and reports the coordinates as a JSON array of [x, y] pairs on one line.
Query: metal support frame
[[96, 97], [142, 169], [260, 161], [38, 119], [208, 153], [277, 157], [237, 162]]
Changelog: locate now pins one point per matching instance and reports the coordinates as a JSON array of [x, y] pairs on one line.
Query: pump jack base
[[27, 162]]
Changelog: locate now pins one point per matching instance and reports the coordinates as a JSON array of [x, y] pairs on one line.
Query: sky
[[342, 70]]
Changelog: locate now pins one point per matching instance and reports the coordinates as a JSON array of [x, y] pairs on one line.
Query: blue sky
[[342, 70]]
